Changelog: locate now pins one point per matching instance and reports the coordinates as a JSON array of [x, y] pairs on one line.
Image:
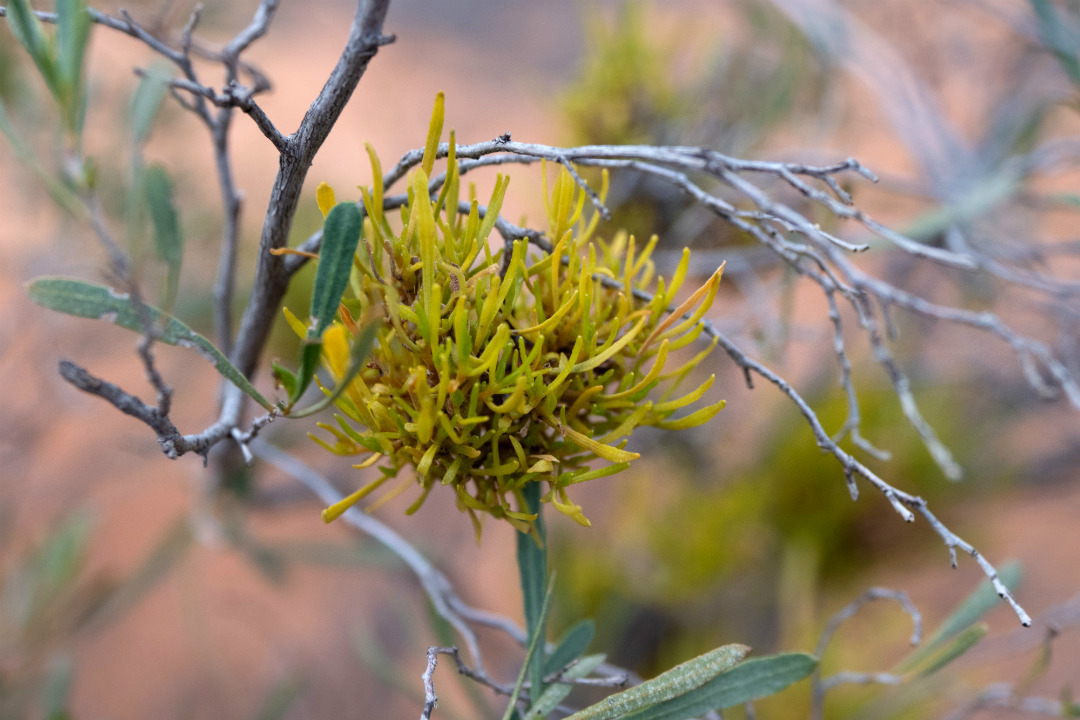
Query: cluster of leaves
[[58, 57], [494, 370]]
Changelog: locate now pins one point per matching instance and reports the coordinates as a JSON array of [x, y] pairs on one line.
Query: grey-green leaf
[[532, 571], [573, 644], [748, 681], [1058, 37], [981, 601], [147, 99], [535, 646], [89, 300], [28, 30], [56, 688], [168, 240], [72, 32], [959, 645], [557, 692], [310, 352], [676, 682], [341, 233]]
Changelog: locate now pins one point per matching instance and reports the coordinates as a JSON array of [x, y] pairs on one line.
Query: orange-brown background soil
[[216, 635]]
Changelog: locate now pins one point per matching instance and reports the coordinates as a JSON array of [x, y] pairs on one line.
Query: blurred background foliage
[[641, 84], [712, 542], [49, 595], [753, 542]]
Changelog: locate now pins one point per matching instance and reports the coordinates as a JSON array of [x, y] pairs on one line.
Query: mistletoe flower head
[[489, 372]]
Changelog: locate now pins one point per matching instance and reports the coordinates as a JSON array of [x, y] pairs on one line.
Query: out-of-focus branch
[[444, 599], [233, 96], [812, 253], [172, 442], [271, 278], [820, 686], [297, 152], [438, 588], [1003, 696]]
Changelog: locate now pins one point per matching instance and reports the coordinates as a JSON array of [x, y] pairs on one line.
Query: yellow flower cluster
[[489, 373]]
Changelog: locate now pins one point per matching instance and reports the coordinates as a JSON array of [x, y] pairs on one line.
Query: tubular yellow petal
[[615, 347], [627, 426], [692, 334], [645, 255], [424, 465], [336, 510], [572, 478], [555, 317], [584, 399], [571, 510], [324, 195], [388, 496], [376, 209], [375, 457], [691, 397], [491, 353], [680, 275], [709, 288], [494, 206], [450, 183], [611, 454], [335, 349], [698, 417], [650, 377], [542, 466], [420, 500], [452, 471], [568, 367], [438, 113], [295, 323]]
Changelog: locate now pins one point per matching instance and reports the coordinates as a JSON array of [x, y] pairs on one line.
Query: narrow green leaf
[[573, 644], [981, 601], [147, 99], [89, 300], [358, 354], [58, 561], [1069, 199], [666, 686], [960, 645], [557, 692], [536, 644], [60, 192], [423, 219], [286, 377], [56, 688], [532, 567], [1056, 37], [30, 33], [72, 32], [309, 363], [168, 240], [749, 681], [494, 207], [341, 233]]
